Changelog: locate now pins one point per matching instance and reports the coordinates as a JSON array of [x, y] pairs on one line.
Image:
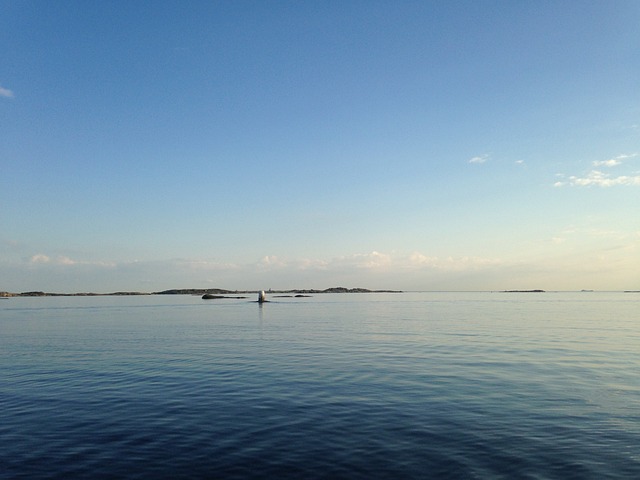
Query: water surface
[[414, 385]]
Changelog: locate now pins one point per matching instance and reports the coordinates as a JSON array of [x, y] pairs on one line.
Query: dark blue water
[[429, 385]]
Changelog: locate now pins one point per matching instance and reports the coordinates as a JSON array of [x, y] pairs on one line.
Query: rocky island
[[523, 291]]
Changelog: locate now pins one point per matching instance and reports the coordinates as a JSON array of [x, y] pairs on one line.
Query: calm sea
[[358, 386]]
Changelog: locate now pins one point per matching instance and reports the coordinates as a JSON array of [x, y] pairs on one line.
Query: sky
[[412, 145]]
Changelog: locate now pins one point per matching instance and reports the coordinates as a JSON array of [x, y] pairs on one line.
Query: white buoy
[[262, 297]]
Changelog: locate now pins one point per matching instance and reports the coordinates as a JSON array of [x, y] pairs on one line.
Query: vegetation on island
[[211, 292]]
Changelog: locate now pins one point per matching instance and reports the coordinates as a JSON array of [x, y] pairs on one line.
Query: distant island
[[198, 291], [523, 291]]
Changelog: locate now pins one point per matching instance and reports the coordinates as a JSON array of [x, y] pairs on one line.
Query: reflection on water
[[445, 385]]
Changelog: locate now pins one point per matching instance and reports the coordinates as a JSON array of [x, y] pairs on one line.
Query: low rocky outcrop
[[523, 291]]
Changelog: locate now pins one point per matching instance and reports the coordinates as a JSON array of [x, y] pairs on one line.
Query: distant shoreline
[[293, 292], [195, 291], [524, 291]]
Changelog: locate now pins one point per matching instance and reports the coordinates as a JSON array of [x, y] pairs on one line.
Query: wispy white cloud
[[590, 234], [379, 261], [5, 92], [612, 162], [62, 260], [39, 258], [359, 261], [565, 252], [373, 262], [359, 269], [271, 261], [198, 264], [452, 264], [479, 158], [601, 179]]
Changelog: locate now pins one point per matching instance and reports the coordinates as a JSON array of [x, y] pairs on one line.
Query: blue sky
[[464, 145]]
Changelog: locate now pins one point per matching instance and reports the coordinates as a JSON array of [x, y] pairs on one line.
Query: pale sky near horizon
[[414, 145]]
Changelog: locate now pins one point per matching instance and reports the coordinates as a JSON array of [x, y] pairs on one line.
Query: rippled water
[[414, 385]]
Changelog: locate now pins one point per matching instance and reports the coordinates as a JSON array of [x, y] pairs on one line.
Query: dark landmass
[[523, 291], [337, 290], [292, 296], [209, 296], [199, 291], [632, 291], [221, 293]]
